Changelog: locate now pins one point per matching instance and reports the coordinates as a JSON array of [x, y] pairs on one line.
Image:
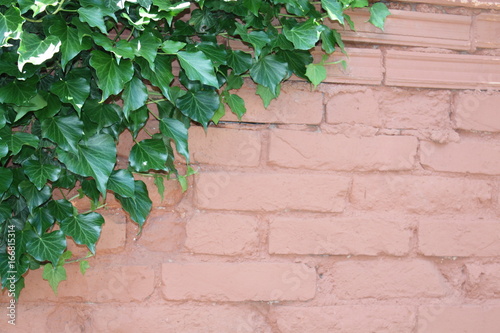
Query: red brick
[[477, 111], [185, 318], [222, 146], [354, 107], [487, 30], [164, 231], [270, 191], [471, 156], [420, 194], [349, 318], [461, 238], [297, 104], [483, 281], [224, 234], [465, 3], [319, 151], [99, 284], [339, 236], [436, 70], [463, 318], [171, 195], [412, 29], [238, 281], [386, 279]]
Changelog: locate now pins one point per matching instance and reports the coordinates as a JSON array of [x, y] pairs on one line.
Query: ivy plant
[[75, 75]]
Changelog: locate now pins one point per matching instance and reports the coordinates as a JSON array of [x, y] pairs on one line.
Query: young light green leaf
[[266, 94], [378, 14], [199, 106], [316, 73], [236, 104], [198, 67], [221, 111], [85, 229], [269, 71], [159, 181], [111, 75], [54, 275], [334, 10], [35, 51], [84, 265]]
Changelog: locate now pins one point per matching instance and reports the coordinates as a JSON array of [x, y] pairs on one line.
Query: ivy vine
[[74, 75]]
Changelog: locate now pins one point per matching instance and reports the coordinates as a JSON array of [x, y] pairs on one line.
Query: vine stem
[[90, 255], [59, 8]]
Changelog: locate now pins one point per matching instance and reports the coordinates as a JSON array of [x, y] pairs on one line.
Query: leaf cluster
[[76, 75]]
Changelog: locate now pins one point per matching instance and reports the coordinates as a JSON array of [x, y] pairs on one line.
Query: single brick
[[348, 318], [222, 146], [354, 107], [461, 238], [471, 156], [238, 282], [163, 231], [420, 194], [386, 279], [99, 284], [297, 104], [436, 70], [483, 280], [339, 236], [464, 318], [487, 30], [477, 111], [224, 234], [319, 151], [271, 191], [114, 231]]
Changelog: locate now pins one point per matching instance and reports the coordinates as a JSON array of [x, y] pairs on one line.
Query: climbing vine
[[75, 75]]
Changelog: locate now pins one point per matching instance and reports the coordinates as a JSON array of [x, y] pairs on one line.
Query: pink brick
[[224, 234], [464, 3], [318, 151], [270, 191], [471, 156], [238, 281], [464, 318], [483, 280], [386, 279], [297, 104], [339, 236], [103, 283], [437, 70], [114, 230], [348, 318], [354, 107], [477, 111], [420, 194], [147, 317], [465, 237], [164, 231], [222, 146], [487, 30]]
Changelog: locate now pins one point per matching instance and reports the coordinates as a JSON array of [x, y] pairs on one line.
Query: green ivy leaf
[[34, 197], [267, 95], [334, 10], [84, 265], [41, 219], [172, 47], [85, 229], [134, 96], [65, 131], [304, 36], [198, 67], [139, 205], [328, 40], [38, 172], [316, 73], [176, 130], [199, 106], [159, 182], [17, 140], [18, 92], [149, 154], [111, 75], [35, 51], [236, 104], [102, 114], [70, 43], [122, 183], [269, 71], [54, 275], [5, 179], [146, 46], [239, 61], [11, 24], [49, 246], [34, 104], [162, 76], [378, 14], [94, 16], [60, 209], [73, 91], [94, 157]]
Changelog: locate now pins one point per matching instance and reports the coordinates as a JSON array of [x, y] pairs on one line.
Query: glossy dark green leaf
[[102, 114], [297, 61], [139, 205], [41, 219], [38, 172], [239, 61], [48, 246], [304, 36], [70, 43], [269, 71], [17, 140], [85, 229], [176, 130], [198, 67], [5, 179], [94, 157], [65, 131], [137, 120], [89, 188], [94, 16], [146, 46], [134, 96], [60, 209], [122, 182], [149, 154], [199, 106], [172, 47], [111, 75], [33, 196], [162, 76], [18, 92], [73, 91]]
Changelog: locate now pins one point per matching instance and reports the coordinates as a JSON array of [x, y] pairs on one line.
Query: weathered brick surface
[[436, 70], [224, 146], [318, 151], [466, 237], [420, 194], [471, 156], [464, 3], [339, 236], [270, 191], [238, 281], [386, 279], [465, 318], [483, 280], [163, 231], [328, 319], [477, 111], [224, 234], [487, 30]]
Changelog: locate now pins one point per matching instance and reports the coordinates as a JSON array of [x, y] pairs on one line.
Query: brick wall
[[368, 205]]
